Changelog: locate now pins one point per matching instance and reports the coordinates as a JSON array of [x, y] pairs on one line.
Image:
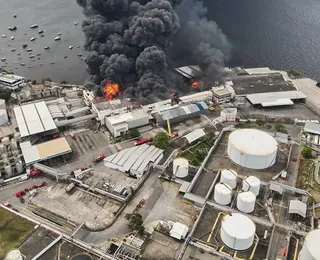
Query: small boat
[[57, 38], [34, 26], [75, 23], [78, 46], [70, 47], [4, 36], [22, 64], [30, 53], [31, 56], [46, 47], [40, 31], [3, 59], [42, 35], [65, 57], [14, 16], [13, 49], [59, 33], [38, 54], [25, 34], [24, 45], [32, 39], [29, 50], [18, 54], [31, 66], [80, 54], [12, 28], [51, 63], [12, 37], [81, 58]]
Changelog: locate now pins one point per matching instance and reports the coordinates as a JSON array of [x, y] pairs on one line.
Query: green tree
[[133, 133], [135, 222], [34, 82], [306, 152], [318, 84], [161, 140], [5, 94], [64, 82], [295, 73], [45, 79]]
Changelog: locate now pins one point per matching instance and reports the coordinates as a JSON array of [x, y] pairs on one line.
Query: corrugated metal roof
[[298, 207], [142, 158], [195, 135], [278, 102], [313, 128], [132, 159], [126, 156], [259, 98], [33, 118]]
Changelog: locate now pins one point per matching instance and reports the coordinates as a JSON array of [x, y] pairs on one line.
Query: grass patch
[[13, 231]]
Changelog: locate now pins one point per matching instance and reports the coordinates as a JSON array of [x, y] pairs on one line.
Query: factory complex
[[227, 171]]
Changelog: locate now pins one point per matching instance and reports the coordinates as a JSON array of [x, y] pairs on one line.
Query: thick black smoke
[[131, 42]]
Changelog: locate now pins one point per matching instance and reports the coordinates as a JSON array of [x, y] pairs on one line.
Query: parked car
[[99, 158], [22, 192], [18, 194], [7, 204], [42, 184], [21, 199]]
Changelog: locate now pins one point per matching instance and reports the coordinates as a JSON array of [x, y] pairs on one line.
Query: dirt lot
[[78, 206], [13, 231]]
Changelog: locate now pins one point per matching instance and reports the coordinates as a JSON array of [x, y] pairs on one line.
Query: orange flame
[[196, 84], [112, 90]]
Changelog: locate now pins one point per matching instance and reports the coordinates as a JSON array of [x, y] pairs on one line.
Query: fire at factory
[[133, 45]]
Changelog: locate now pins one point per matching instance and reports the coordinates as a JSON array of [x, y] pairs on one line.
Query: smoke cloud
[[137, 43]]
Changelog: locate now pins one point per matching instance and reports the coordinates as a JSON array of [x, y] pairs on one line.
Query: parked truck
[[99, 158]]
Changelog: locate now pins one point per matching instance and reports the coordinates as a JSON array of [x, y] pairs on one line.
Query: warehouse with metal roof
[[178, 114], [33, 119], [134, 160], [44, 151], [276, 98]]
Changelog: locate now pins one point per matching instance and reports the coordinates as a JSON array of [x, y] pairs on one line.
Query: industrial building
[[223, 94], [120, 124], [136, 160], [311, 133], [252, 148], [11, 81], [110, 108], [178, 114]]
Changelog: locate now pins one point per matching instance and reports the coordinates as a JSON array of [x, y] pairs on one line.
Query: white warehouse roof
[[298, 207], [313, 128], [44, 151], [179, 231], [135, 159], [195, 135], [33, 118], [278, 97]]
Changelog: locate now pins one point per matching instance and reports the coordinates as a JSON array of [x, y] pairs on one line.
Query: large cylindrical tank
[[222, 193], [14, 255], [5, 141], [180, 167], [252, 148], [237, 231], [229, 177], [311, 248], [8, 170], [19, 167], [2, 104], [246, 201], [251, 183], [3, 117]]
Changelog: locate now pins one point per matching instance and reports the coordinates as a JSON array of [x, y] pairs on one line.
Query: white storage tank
[[19, 167], [251, 183], [14, 255], [229, 177], [237, 231], [3, 117], [252, 148], [311, 248], [222, 193], [246, 201], [2, 104], [180, 167], [5, 141], [8, 170]]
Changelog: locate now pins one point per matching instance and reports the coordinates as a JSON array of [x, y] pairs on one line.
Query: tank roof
[[253, 142], [238, 226]]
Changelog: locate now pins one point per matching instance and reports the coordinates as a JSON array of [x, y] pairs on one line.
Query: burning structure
[[132, 45]]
